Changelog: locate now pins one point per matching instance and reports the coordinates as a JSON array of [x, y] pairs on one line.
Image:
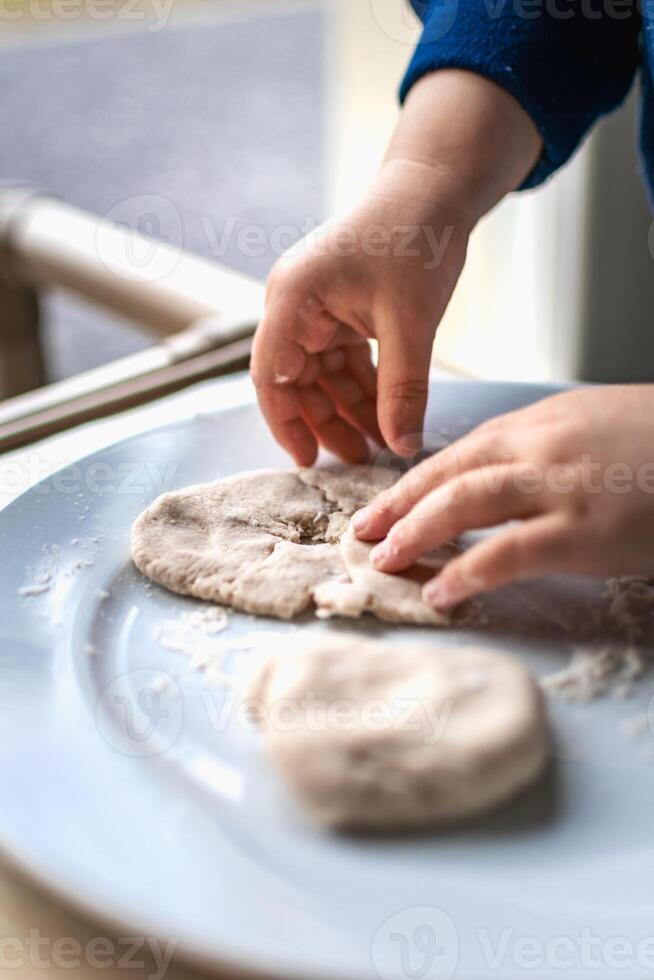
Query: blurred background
[[232, 127]]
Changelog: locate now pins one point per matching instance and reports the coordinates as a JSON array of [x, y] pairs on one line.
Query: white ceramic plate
[[129, 789]]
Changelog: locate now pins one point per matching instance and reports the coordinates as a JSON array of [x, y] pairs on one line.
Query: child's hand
[[577, 470], [385, 272]]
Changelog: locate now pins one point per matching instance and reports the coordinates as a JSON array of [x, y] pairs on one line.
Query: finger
[[282, 409], [478, 449], [540, 546], [344, 337], [290, 333], [314, 327], [276, 362], [403, 372], [310, 372], [319, 330], [333, 432], [481, 498], [351, 399], [359, 361]]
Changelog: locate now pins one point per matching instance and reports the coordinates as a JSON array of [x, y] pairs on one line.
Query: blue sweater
[[566, 61]]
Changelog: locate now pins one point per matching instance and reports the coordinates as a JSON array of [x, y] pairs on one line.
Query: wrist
[[426, 191], [467, 140]]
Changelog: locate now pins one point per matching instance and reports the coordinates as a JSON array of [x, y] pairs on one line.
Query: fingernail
[[409, 443], [380, 553], [437, 594], [360, 519]]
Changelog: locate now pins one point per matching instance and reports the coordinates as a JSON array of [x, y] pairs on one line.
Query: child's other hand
[[385, 272], [576, 470]]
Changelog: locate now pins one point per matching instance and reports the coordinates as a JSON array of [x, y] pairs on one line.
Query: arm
[[474, 137], [566, 62], [387, 271]]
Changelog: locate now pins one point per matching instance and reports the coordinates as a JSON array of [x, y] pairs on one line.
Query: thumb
[[403, 383]]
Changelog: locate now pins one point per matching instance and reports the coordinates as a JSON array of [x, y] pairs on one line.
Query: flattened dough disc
[[373, 736], [274, 543]]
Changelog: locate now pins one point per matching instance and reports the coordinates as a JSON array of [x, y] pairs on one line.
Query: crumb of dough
[[37, 588], [199, 636], [593, 672]]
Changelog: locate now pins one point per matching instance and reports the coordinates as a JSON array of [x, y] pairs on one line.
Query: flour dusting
[[611, 667], [225, 661]]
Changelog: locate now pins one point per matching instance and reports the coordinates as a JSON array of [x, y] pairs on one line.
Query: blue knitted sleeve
[[565, 61]]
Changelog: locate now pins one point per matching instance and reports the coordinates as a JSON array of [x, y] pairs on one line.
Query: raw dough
[[457, 731], [394, 598], [269, 542]]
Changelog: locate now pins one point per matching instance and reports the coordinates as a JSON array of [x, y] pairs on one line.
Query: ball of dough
[[373, 736]]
